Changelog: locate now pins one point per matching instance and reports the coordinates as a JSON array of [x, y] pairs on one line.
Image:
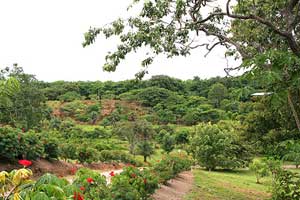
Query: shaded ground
[[177, 188]]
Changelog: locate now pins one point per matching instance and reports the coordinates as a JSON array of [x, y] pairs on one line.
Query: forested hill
[[171, 100]]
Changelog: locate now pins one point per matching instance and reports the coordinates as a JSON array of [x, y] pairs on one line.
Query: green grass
[[230, 185]]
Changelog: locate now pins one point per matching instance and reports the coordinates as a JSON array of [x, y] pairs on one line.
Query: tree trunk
[[145, 158], [295, 114]]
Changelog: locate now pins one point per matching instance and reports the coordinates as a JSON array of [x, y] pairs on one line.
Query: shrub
[[133, 184], [87, 154], [213, 147], [286, 186], [51, 148], [171, 165], [69, 96], [92, 184], [11, 143], [293, 153], [118, 156], [260, 168], [68, 151]]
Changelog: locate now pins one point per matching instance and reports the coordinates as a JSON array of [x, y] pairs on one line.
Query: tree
[[7, 89], [260, 169], [293, 153], [145, 133], [137, 133], [217, 93], [263, 33], [125, 130], [69, 96], [27, 105], [213, 146], [168, 143], [145, 149]]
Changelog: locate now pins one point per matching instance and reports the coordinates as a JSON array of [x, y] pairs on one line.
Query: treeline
[[59, 90]]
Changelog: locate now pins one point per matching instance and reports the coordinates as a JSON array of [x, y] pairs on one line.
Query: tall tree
[[27, 107], [217, 93], [265, 34]]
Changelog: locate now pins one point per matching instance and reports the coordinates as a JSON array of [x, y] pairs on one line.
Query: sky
[[45, 37]]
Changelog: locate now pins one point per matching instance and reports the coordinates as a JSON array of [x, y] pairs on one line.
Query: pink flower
[[25, 163]]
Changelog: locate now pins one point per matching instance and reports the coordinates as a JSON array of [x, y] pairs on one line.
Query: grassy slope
[[237, 185]]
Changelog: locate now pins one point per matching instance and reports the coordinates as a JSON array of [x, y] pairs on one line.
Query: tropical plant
[[260, 169]]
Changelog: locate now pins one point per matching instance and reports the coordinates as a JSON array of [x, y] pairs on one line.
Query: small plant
[[260, 168], [11, 183]]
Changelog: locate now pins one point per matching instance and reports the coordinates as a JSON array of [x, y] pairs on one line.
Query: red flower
[[77, 196], [133, 175], [73, 170], [112, 173], [25, 163], [82, 188], [90, 180], [145, 181]]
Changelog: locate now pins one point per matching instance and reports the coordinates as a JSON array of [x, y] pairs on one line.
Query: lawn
[[228, 185]]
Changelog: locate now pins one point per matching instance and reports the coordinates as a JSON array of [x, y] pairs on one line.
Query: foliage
[[260, 168], [97, 189], [168, 143], [214, 147], [14, 144], [171, 165], [293, 153], [118, 156], [11, 183], [69, 96], [217, 93], [133, 184], [286, 186], [27, 104]]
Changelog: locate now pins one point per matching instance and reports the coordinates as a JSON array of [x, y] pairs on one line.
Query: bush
[[260, 168], [11, 143], [68, 151], [87, 154], [286, 186], [133, 184], [171, 165], [70, 96], [214, 147], [118, 156], [51, 148], [92, 184]]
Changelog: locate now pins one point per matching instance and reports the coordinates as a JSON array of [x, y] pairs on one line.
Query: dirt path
[[177, 188]]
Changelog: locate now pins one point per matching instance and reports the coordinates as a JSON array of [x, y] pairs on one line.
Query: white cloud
[[45, 38]]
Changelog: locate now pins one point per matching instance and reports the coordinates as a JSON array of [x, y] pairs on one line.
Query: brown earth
[[176, 188], [107, 107], [59, 168]]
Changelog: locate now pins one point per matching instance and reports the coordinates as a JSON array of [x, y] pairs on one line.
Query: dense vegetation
[[250, 122], [217, 121]]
